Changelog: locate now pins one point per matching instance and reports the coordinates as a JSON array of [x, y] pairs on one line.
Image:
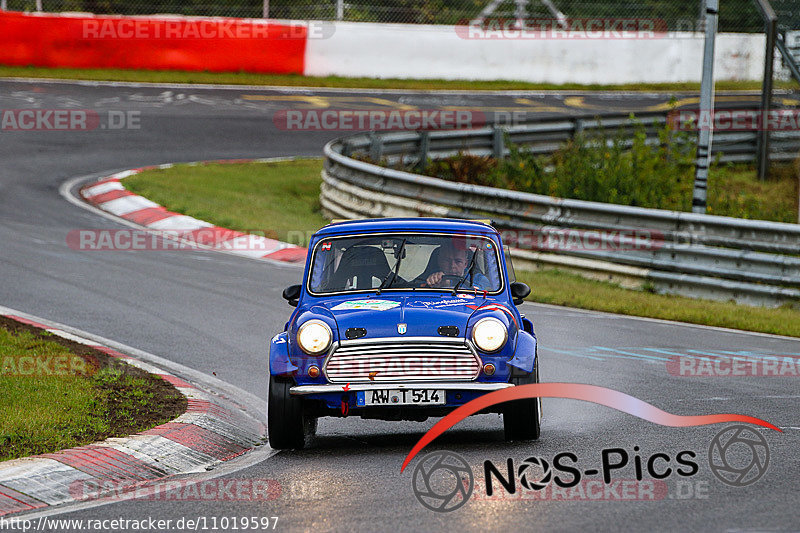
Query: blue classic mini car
[[401, 319]]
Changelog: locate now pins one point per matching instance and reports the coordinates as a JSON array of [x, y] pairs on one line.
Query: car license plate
[[401, 397]]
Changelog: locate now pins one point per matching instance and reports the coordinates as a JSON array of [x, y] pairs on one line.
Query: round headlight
[[489, 334], [314, 337]]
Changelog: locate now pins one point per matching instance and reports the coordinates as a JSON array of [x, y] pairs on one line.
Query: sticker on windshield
[[372, 305]]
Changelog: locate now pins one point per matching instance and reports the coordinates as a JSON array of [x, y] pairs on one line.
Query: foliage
[[597, 167], [625, 168]]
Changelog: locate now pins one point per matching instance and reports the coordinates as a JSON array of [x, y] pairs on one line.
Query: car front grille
[[408, 359]]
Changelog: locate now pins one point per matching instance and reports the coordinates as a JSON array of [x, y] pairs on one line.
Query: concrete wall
[[442, 52], [365, 50]]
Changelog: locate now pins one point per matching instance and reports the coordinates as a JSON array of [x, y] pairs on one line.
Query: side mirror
[[519, 291], [292, 294]]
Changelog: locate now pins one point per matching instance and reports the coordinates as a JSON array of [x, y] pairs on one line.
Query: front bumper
[[333, 400]]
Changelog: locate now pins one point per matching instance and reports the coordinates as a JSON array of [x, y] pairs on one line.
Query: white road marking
[[712, 399]]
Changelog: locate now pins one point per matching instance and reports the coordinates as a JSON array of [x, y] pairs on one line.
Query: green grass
[[273, 199], [736, 191], [571, 290], [296, 80], [43, 413], [256, 196], [78, 403]]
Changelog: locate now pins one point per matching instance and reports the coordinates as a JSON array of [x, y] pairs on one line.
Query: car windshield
[[421, 261]]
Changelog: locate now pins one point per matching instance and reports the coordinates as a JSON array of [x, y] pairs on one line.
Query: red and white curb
[[109, 195], [214, 429]]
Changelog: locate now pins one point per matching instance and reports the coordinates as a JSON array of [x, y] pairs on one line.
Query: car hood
[[422, 315]]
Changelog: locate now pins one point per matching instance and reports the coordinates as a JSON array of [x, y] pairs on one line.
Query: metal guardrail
[[697, 255], [546, 135]]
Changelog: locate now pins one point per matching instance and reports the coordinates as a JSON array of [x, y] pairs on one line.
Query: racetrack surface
[[215, 313]]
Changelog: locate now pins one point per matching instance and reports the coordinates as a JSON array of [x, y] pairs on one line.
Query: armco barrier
[[153, 42], [696, 255]]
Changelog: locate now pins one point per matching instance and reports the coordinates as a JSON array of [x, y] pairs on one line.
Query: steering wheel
[[448, 281]]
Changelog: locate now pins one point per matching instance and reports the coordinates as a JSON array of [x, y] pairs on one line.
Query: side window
[[512, 277]]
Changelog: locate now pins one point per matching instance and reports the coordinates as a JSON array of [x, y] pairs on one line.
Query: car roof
[[369, 225]]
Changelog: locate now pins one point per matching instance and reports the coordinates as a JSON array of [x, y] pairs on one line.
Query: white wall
[[438, 52]]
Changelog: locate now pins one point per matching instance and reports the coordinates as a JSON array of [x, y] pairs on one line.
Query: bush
[[597, 167], [624, 168]]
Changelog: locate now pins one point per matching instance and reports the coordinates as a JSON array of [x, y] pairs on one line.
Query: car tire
[[286, 424], [521, 418]]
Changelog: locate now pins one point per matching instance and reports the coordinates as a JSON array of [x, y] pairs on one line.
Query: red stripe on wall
[[169, 43]]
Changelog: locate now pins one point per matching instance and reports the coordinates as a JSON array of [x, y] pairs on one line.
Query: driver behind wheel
[[453, 261]]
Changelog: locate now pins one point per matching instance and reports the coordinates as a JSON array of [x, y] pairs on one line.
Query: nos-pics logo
[[443, 481]]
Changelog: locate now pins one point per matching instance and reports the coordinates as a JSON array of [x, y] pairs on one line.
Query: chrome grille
[[408, 359]]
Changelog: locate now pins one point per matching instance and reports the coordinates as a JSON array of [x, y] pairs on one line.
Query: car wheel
[[522, 418], [286, 424]]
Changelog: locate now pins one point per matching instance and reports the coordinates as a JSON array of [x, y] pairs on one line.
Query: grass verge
[[296, 80], [565, 288], [736, 191], [284, 196], [276, 200], [57, 394]]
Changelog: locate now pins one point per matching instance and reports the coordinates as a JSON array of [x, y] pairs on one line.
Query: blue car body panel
[[525, 352], [422, 313], [279, 362]]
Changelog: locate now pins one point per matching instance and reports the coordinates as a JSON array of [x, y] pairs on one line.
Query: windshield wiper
[[468, 272], [393, 273]]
